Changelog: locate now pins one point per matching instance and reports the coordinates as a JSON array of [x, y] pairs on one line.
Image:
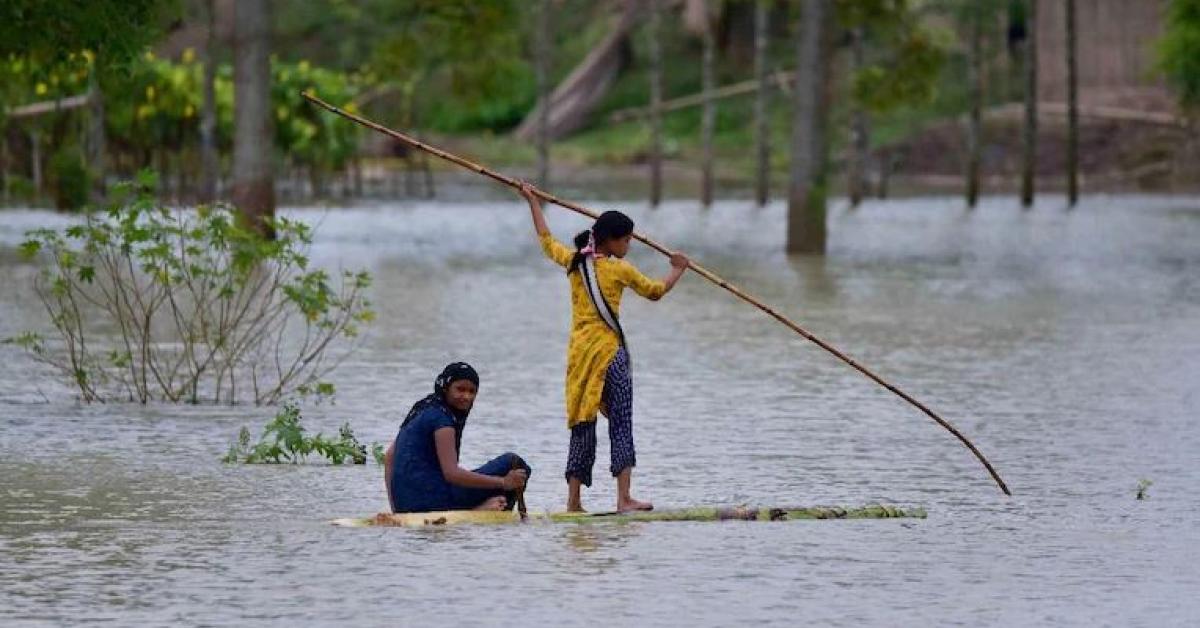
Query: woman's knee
[[517, 462]]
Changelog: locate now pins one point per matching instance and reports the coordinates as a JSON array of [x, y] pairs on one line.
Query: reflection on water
[[1066, 344]]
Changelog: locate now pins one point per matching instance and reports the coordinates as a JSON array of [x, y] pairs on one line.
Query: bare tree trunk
[[655, 105], [356, 164], [1029, 145], [708, 118], [208, 111], [164, 172], [253, 178], [859, 145], [975, 120], [542, 68], [35, 156], [427, 169], [807, 191], [4, 164], [762, 149], [1072, 110], [96, 143]]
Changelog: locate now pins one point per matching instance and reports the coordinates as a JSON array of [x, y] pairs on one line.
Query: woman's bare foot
[[630, 504], [575, 507], [493, 503]]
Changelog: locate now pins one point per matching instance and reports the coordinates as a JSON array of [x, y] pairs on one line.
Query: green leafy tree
[[1179, 51], [459, 64], [49, 33], [909, 55]]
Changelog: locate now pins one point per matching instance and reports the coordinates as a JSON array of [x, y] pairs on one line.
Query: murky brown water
[[1066, 344]]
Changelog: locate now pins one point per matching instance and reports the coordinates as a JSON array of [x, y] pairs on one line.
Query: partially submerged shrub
[[70, 180], [285, 440], [151, 303]]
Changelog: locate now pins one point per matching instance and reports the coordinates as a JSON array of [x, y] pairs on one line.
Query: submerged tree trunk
[[1029, 143], [582, 89], [762, 149], [208, 112], [708, 119], [974, 122], [253, 178], [542, 67], [806, 231], [96, 144], [1072, 110], [859, 144], [655, 105]]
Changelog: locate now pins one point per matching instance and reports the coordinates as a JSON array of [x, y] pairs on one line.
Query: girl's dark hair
[[611, 225]]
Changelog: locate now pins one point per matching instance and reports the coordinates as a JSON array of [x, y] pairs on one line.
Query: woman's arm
[[454, 474], [387, 472], [535, 209]]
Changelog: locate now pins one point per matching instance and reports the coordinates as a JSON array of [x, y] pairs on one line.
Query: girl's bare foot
[[493, 503], [630, 504]]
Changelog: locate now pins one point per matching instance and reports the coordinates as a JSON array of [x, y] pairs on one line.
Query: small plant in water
[[1142, 488], [151, 303], [284, 439]]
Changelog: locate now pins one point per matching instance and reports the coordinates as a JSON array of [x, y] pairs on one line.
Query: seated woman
[[421, 468]]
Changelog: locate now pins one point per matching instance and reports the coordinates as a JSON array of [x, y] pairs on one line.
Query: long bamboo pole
[[700, 270]]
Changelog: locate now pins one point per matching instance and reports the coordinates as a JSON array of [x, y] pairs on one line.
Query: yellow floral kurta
[[593, 345]]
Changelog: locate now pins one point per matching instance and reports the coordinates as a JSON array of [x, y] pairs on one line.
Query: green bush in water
[[21, 188], [284, 439], [154, 303], [70, 179]]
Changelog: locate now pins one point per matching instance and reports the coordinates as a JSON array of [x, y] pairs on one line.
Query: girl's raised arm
[[535, 209]]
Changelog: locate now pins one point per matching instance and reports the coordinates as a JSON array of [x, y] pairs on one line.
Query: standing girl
[[598, 378]]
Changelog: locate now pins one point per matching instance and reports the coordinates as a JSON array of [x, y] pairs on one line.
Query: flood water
[[1066, 344]]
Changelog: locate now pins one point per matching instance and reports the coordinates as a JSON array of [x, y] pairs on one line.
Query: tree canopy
[[1179, 51], [49, 32]]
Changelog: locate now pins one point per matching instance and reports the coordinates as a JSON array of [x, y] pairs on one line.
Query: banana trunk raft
[[741, 513]]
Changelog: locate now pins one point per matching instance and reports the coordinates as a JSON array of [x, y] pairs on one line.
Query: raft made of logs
[[740, 513]]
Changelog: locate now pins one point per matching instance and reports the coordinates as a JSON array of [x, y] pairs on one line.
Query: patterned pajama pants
[[617, 401]]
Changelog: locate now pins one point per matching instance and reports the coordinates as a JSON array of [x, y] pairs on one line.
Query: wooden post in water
[[96, 144], [858, 129], [762, 149], [708, 119], [1072, 110], [35, 156], [3, 163], [975, 119], [209, 163], [542, 69], [655, 105], [1029, 143]]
